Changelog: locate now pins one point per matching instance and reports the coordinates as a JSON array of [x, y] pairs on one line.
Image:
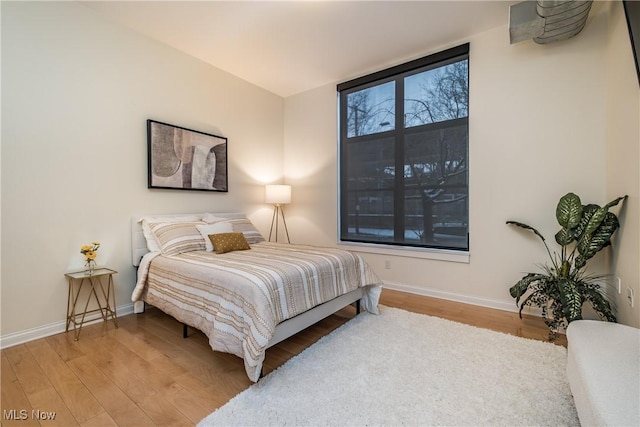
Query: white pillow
[[147, 221], [215, 228], [210, 218]]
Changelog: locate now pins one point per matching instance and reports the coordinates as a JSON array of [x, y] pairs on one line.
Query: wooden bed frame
[[284, 329]]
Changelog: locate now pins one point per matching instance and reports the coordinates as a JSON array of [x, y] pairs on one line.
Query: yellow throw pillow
[[227, 242]]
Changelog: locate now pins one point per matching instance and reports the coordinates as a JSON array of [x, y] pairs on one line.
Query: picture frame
[[185, 159]]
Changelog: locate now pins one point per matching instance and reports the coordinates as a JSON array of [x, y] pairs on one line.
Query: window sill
[[406, 251]]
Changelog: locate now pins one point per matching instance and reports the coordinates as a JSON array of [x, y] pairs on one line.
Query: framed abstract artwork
[[185, 159]]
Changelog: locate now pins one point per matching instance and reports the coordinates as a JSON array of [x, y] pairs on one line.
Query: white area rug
[[402, 368]]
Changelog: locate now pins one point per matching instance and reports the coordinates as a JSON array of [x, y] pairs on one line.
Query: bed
[[245, 295]]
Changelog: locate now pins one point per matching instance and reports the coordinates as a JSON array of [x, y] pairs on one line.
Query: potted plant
[[563, 286]]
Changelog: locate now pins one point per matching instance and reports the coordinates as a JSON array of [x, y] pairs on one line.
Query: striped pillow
[[178, 237], [152, 243], [246, 227]]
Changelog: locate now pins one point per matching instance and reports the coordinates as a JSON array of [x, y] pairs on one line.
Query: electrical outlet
[[619, 284], [387, 265], [630, 296]]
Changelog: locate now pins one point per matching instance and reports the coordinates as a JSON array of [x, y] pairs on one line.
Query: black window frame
[[396, 73]]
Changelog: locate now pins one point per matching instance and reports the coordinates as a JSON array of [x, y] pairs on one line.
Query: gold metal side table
[[104, 299]]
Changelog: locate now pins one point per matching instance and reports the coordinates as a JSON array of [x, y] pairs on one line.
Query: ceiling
[[288, 47]]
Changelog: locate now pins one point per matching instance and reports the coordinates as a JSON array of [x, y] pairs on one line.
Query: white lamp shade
[[277, 194]]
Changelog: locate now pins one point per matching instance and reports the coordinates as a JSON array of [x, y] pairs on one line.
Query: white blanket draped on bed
[[238, 298]]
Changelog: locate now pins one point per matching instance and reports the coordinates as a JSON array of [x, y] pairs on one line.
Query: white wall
[[538, 129], [623, 158], [311, 166], [76, 94]]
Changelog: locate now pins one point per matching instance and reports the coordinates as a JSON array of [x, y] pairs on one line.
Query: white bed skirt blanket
[[238, 298]]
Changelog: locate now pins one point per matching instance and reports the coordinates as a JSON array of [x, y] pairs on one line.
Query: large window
[[404, 162]]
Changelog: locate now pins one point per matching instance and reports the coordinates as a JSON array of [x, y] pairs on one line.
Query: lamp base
[[278, 209]]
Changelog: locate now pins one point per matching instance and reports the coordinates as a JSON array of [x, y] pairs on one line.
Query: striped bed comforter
[[238, 298]]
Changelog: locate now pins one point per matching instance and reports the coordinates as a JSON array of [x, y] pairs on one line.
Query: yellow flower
[[90, 251]]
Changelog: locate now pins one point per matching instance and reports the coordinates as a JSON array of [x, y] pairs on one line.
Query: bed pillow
[[228, 242], [240, 225], [210, 218], [215, 228], [246, 227], [146, 221], [177, 237]]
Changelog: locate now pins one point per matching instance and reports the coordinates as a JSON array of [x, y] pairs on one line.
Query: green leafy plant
[[564, 286]]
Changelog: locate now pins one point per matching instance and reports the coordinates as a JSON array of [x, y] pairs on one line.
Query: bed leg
[[357, 307], [185, 331]]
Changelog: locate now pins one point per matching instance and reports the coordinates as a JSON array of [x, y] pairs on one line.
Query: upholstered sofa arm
[[603, 368]]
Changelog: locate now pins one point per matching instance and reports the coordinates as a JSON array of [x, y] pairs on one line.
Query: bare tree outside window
[[437, 95], [407, 185], [371, 110], [442, 95]]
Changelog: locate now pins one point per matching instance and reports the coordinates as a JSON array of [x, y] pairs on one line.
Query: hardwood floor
[[145, 373]]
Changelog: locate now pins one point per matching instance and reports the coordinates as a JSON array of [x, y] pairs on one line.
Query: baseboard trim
[[466, 299], [22, 337]]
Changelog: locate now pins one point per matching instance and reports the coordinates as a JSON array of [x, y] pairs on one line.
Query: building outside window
[[404, 166]]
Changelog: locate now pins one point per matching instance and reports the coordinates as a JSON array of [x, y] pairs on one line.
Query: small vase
[[91, 266]]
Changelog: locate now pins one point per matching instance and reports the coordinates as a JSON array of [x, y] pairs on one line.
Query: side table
[[104, 298]]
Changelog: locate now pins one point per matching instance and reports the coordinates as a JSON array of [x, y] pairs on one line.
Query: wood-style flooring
[[145, 373]]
